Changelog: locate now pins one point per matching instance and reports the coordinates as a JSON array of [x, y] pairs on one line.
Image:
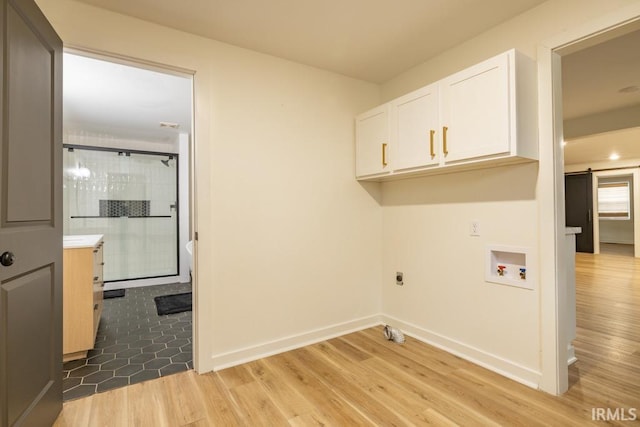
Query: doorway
[[608, 28], [616, 213], [127, 134]]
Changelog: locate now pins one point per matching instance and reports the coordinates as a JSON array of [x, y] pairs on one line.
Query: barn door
[[578, 190]]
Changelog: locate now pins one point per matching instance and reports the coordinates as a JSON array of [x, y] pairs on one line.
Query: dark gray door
[[30, 217], [578, 197]]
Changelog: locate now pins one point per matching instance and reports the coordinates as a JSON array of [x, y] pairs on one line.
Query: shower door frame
[[177, 202]]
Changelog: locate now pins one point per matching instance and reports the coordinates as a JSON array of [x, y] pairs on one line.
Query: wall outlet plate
[[474, 228]]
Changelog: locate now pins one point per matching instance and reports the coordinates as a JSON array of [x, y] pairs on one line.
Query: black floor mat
[[171, 304], [114, 293]]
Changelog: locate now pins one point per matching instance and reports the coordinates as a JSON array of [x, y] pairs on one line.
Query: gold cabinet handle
[[384, 154], [431, 149], [444, 140]]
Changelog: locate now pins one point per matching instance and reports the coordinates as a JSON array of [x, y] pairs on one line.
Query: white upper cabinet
[[414, 129], [489, 111], [372, 142], [483, 116], [476, 111]]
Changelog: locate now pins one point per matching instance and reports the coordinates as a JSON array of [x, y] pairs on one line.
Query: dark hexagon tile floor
[[133, 344]]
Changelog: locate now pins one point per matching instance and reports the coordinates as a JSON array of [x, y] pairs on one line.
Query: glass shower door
[[131, 198]]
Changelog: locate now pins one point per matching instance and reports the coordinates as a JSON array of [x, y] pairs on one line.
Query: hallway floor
[[133, 344], [616, 249]]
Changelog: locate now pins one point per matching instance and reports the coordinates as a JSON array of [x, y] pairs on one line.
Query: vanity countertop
[[81, 241], [572, 230]]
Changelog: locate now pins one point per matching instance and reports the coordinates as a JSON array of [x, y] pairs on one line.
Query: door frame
[[635, 174], [553, 271], [192, 200]]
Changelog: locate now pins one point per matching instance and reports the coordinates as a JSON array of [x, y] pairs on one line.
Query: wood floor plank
[[141, 398], [430, 395], [351, 352], [235, 376], [75, 413], [109, 410], [217, 400], [361, 379], [437, 419], [290, 401], [383, 389], [183, 398], [325, 399], [535, 407], [475, 403], [313, 418], [257, 407], [349, 386]]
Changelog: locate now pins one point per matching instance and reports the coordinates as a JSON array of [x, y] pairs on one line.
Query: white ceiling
[[591, 83], [592, 77], [107, 100], [372, 40], [596, 149]]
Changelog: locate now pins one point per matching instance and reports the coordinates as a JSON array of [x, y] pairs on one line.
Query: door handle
[[384, 154], [589, 214], [431, 150], [445, 149], [7, 259]]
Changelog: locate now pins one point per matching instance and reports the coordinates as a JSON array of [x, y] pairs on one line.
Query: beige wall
[[525, 32], [445, 298], [292, 248], [290, 243]]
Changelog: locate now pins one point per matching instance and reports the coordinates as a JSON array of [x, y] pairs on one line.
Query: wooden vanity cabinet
[[82, 296]]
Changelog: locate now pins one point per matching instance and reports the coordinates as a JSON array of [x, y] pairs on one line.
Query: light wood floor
[[361, 379], [616, 249]]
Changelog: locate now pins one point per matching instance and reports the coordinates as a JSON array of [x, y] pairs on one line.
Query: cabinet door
[[476, 111], [372, 140], [414, 129], [77, 301], [98, 286]]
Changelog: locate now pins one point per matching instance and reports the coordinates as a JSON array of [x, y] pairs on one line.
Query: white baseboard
[[127, 284], [500, 365], [249, 354], [571, 355], [617, 242]]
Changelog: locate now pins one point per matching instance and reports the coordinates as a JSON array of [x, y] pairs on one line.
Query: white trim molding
[[497, 364], [292, 342], [554, 321], [492, 362]]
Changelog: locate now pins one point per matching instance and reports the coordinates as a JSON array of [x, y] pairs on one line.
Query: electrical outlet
[[474, 228], [399, 278]]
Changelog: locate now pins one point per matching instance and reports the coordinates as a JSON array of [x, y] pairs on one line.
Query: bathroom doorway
[[127, 136], [117, 116]]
